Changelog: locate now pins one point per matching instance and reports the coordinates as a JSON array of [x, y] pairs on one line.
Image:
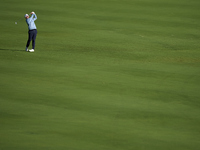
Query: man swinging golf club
[[32, 33]]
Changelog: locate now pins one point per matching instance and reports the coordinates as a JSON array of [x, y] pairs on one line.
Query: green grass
[[105, 75]]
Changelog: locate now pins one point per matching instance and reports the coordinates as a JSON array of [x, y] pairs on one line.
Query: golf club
[[20, 19]]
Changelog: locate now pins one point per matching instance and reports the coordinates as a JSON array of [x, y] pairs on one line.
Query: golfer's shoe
[[26, 49], [31, 50]]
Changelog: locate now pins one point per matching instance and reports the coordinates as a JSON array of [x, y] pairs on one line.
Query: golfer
[[32, 33]]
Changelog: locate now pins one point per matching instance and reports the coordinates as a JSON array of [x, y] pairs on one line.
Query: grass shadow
[[3, 49]]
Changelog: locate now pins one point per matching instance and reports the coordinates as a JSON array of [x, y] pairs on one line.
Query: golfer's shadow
[[3, 49]]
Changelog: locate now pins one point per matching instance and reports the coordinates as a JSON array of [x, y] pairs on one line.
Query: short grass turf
[[105, 75]]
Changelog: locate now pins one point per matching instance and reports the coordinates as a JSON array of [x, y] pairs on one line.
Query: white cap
[[26, 15]]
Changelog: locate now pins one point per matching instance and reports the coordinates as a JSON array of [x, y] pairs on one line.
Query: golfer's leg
[[29, 39], [33, 39]]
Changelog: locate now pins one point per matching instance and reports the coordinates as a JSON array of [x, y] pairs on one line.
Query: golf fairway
[[105, 75]]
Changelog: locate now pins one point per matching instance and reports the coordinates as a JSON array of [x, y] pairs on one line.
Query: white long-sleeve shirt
[[31, 23]]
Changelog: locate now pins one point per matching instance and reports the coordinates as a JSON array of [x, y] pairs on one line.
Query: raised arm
[[33, 16]]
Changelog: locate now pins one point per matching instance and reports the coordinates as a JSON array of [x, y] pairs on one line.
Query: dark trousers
[[31, 37]]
